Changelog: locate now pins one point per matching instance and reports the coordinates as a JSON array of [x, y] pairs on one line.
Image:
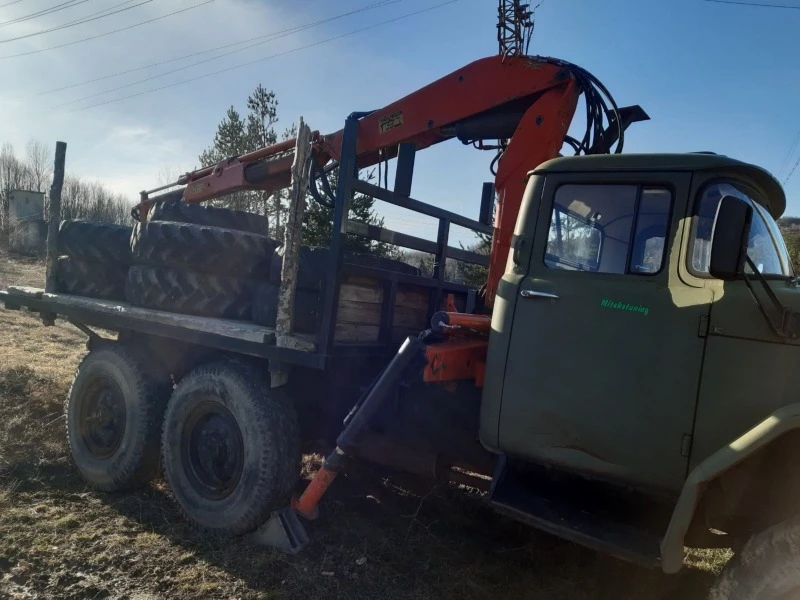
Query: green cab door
[[605, 349]]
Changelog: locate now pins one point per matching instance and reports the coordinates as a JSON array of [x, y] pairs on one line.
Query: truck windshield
[[765, 247]]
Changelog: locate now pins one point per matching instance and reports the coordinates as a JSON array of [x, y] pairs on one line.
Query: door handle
[[535, 294]]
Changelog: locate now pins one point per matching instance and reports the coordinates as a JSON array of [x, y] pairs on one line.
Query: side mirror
[[729, 238]]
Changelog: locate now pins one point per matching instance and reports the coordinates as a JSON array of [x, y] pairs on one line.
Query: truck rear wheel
[[765, 569], [114, 412], [231, 449]]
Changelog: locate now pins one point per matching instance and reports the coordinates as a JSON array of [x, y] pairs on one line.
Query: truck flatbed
[[114, 315]]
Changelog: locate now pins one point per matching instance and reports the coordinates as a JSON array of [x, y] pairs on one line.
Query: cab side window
[[609, 228]]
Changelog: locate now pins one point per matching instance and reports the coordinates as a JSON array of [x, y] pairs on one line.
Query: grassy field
[[377, 537]]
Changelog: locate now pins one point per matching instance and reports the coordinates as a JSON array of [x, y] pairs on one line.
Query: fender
[[777, 424]]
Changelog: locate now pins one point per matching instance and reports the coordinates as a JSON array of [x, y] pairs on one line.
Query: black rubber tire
[[211, 250], [133, 459], [765, 569], [307, 308], [95, 242], [266, 425], [313, 266], [189, 292], [95, 280], [211, 216]]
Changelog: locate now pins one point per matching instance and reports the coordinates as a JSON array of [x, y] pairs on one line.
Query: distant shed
[[27, 230]]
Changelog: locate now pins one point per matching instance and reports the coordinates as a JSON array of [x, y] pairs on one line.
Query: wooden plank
[[412, 296], [406, 295], [409, 316], [361, 293], [347, 332], [368, 313], [225, 327], [361, 280], [358, 313], [367, 289], [298, 341], [27, 292]]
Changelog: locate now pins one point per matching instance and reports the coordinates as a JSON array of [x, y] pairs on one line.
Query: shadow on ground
[[374, 539], [378, 537]]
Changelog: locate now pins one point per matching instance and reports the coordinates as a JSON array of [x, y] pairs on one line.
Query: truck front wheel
[[114, 410], [230, 446], [766, 568]]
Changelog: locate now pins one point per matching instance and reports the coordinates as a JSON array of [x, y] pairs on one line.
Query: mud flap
[[282, 531]]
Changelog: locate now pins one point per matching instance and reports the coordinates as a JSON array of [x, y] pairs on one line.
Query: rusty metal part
[[456, 358], [307, 504], [444, 322]]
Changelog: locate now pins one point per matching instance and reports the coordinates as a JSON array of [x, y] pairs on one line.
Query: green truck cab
[[633, 344]]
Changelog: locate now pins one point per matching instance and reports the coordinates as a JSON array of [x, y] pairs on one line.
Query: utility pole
[[514, 27]]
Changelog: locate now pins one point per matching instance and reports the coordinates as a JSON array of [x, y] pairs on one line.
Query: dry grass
[[377, 538]]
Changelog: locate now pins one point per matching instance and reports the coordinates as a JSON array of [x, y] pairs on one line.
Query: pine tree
[[260, 132], [319, 223], [236, 135], [472, 274], [230, 140]]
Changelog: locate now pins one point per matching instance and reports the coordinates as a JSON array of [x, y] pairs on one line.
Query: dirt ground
[[376, 538]]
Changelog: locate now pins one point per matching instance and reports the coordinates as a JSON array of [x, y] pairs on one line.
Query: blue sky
[[712, 76]]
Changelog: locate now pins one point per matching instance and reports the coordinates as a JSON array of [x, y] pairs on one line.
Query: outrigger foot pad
[[282, 531]]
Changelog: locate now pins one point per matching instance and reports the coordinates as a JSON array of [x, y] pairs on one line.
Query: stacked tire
[[198, 260], [213, 262], [94, 260]]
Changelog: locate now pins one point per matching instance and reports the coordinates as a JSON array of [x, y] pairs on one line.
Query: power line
[[99, 12], [273, 37], [788, 158], [252, 62], [269, 37], [754, 4], [46, 11], [94, 37], [10, 3], [794, 168], [77, 22]]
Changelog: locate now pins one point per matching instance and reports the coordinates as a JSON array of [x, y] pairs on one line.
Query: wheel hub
[[212, 444], [103, 418]]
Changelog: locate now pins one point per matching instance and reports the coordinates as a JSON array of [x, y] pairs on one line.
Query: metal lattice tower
[[514, 26]]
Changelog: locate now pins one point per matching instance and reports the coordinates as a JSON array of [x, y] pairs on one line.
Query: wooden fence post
[[284, 322], [54, 218]]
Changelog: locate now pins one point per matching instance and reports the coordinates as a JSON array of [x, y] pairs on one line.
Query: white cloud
[[126, 144]]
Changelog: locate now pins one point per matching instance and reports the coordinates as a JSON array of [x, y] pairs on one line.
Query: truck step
[[622, 523]]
